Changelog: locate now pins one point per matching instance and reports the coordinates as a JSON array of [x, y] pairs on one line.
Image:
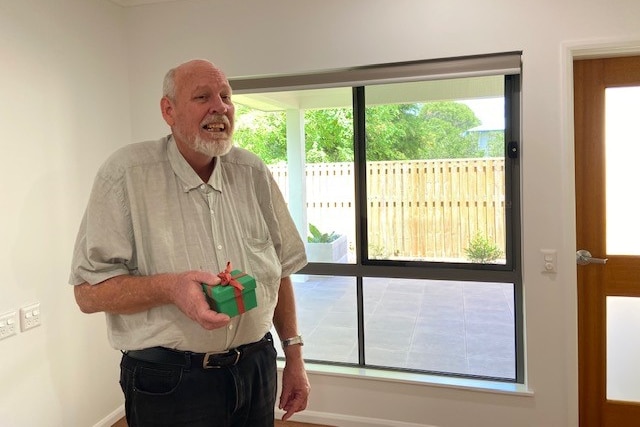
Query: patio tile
[[399, 340], [390, 319], [394, 358], [440, 326], [438, 343]]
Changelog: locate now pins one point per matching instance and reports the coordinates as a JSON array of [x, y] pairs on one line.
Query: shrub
[[482, 250]]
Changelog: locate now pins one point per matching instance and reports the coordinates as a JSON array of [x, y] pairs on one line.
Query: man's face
[[202, 115]]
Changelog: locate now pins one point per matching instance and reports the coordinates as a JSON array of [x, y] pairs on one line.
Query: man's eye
[[201, 97]]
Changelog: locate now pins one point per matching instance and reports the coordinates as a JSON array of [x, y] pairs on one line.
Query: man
[[164, 217]]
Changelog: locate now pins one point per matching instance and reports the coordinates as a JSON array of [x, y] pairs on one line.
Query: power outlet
[[549, 260], [29, 316], [8, 324]]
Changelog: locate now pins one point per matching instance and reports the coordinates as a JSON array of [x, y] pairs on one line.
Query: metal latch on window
[[512, 149]]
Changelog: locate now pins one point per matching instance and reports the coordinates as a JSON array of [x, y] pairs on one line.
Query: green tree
[[495, 145], [445, 130], [394, 132], [434, 130], [329, 135], [263, 133]]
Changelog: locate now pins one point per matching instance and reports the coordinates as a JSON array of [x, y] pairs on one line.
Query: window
[[404, 178]]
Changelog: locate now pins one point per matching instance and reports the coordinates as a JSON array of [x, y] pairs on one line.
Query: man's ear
[[167, 110]]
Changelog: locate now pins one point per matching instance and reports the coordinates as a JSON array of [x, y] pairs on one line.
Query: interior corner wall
[[64, 108]]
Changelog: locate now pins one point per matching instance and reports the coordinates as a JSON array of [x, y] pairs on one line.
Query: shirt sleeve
[[104, 245], [286, 239]]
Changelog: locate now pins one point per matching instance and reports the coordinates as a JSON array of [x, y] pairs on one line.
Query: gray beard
[[216, 149]]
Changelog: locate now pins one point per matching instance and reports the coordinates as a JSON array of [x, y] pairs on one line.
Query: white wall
[[64, 105], [81, 77]]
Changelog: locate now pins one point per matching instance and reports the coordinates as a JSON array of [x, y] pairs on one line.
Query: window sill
[[467, 384]]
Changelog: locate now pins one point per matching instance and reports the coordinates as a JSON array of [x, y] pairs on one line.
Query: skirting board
[[337, 420], [112, 418], [340, 420]]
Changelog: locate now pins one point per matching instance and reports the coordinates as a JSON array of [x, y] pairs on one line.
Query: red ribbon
[[227, 279]]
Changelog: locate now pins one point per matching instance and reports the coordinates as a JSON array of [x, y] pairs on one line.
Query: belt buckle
[[205, 360]]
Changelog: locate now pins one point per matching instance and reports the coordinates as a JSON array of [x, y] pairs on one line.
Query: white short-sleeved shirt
[[150, 213]]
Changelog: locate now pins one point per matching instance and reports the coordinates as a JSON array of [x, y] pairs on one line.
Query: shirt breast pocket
[[263, 260]]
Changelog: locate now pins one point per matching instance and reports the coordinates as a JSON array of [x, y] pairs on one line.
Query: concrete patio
[[440, 326]]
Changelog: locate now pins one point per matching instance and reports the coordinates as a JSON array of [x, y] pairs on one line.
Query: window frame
[[507, 64]]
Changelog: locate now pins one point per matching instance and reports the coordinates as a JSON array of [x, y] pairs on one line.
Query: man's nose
[[218, 106]]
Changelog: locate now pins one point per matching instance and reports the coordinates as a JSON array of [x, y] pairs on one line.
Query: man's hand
[[132, 294], [295, 389], [190, 299]]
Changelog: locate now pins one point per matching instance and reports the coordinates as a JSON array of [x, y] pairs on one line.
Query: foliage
[[445, 126], [377, 252], [318, 237], [263, 133], [434, 130], [482, 250], [329, 135]]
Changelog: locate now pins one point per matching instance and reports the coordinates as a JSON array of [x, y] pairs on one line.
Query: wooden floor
[[123, 423]]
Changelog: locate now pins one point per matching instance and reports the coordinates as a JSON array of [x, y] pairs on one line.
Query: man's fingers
[[295, 402], [210, 319], [206, 277]]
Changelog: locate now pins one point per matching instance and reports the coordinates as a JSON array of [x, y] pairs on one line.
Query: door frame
[[575, 51]]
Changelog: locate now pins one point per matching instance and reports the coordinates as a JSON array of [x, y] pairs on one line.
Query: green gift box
[[236, 294]]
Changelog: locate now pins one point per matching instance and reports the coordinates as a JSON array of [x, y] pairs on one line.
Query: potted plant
[[326, 247]]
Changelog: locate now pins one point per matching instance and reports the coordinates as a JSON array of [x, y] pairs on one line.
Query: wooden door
[[607, 137]]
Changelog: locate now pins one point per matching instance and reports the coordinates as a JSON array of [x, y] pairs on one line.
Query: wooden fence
[[420, 209]]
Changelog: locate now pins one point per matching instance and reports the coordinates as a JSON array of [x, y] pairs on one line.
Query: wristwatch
[[292, 341]]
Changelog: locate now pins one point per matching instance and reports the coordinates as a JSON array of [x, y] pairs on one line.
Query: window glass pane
[[622, 153], [435, 170], [454, 327], [623, 316], [306, 138], [327, 317]]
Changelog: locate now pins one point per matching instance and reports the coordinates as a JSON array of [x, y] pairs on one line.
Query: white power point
[[549, 260], [29, 316], [8, 324]]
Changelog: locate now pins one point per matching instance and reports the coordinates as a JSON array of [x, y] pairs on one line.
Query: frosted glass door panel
[[623, 349], [622, 154]]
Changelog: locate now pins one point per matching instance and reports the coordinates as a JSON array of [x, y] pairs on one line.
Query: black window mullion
[[513, 216], [360, 184]]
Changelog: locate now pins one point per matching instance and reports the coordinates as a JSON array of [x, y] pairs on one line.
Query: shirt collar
[[184, 171]]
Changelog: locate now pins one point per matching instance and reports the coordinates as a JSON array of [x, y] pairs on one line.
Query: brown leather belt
[[187, 359]]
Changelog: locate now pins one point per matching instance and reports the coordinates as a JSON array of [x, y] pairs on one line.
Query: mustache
[[216, 118]]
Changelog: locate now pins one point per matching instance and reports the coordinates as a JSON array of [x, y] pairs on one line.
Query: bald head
[[176, 75]]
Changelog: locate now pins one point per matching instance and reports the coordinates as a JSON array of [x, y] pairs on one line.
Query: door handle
[[583, 257]]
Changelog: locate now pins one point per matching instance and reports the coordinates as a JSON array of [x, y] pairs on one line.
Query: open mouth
[[214, 127]]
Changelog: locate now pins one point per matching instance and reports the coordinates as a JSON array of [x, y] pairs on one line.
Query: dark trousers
[[242, 395]]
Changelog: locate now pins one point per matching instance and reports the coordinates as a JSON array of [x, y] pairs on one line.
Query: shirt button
[[203, 186], [230, 327], [219, 247]]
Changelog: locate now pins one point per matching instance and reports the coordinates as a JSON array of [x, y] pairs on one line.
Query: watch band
[[297, 340]]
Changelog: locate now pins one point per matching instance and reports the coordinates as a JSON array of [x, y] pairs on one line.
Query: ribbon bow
[[227, 279]]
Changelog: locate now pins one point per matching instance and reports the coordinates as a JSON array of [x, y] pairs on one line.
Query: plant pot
[[335, 251]]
